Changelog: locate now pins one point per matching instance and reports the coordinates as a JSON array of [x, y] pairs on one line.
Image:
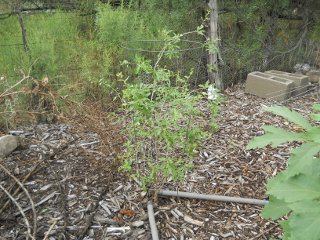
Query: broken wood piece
[[118, 229], [188, 219]]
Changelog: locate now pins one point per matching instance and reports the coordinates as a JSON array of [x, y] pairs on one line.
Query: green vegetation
[[82, 47], [78, 43], [296, 190], [163, 131]]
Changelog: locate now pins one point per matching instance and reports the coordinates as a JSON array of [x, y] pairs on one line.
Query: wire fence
[[191, 58], [237, 61]]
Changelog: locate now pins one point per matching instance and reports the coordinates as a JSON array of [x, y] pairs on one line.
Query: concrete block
[[314, 76], [300, 82], [268, 86]]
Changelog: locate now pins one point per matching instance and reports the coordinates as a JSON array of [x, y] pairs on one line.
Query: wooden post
[[213, 38], [23, 29]]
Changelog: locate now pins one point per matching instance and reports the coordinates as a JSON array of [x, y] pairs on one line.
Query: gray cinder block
[[300, 82], [314, 76], [268, 86]]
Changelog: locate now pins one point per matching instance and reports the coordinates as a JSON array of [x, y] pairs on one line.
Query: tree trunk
[[23, 29], [214, 55]]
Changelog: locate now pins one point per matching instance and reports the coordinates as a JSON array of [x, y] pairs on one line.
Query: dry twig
[[36, 169], [21, 211], [30, 199], [50, 229]]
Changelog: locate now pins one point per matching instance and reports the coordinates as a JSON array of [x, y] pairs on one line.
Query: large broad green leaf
[[301, 158], [291, 116], [274, 136], [316, 107], [275, 209], [315, 117], [305, 221], [286, 227], [313, 169], [298, 188], [306, 206], [313, 134], [281, 176]]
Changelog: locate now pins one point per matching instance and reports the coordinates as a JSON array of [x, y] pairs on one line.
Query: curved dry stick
[[50, 229], [266, 231], [13, 86], [21, 211], [30, 199]]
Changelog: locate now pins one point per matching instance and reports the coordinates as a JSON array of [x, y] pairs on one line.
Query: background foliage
[[79, 44]]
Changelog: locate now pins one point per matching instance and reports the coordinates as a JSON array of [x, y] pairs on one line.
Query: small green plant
[[296, 190], [164, 132]]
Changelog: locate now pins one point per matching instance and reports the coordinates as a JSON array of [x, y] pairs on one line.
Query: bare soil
[[70, 171]]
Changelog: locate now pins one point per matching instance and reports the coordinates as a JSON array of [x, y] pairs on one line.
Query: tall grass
[[81, 53]]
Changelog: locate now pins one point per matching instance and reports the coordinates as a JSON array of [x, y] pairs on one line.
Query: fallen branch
[[13, 86], [35, 169], [50, 229], [30, 199], [21, 211], [37, 204]]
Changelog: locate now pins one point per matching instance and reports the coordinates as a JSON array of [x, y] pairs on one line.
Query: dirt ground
[[72, 188]]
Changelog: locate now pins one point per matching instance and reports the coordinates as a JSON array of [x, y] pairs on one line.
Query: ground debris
[[78, 191]]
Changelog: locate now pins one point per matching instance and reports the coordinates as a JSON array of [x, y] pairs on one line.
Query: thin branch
[[298, 44], [50, 229], [21, 211], [35, 169], [13, 86], [37, 204], [30, 199]]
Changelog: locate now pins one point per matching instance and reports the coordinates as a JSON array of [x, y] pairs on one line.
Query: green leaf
[[286, 227], [274, 136], [275, 209], [305, 221], [313, 134], [315, 117], [301, 158], [316, 107], [291, 116], [306, 206], [273, 181], [298, 188], [314, 168]]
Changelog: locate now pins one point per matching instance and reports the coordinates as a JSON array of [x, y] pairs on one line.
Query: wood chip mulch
[[70, 172]]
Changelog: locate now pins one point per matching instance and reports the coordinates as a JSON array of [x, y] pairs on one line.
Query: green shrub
[[164, 132]]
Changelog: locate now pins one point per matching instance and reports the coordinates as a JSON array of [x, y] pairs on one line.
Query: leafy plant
[[296, 190], [164, 132]]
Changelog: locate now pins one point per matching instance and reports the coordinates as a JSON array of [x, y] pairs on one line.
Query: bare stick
[[21, 211], [37, 204], [50, 229], [10, 88], [35, 169], [30, 199]]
